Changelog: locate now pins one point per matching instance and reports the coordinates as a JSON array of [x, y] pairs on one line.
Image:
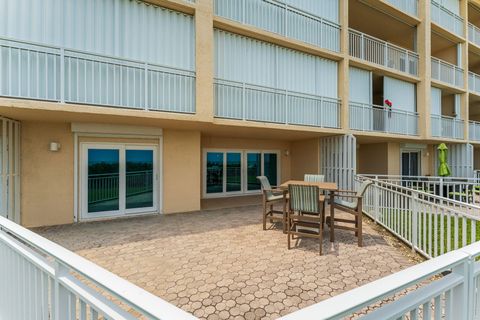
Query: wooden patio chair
[[353, 207], [305, 211], [270, 197], [317, 178]]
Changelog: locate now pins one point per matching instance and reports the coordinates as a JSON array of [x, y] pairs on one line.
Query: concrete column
[[464, 99], [204, 59], [424, 52], [343, 75]]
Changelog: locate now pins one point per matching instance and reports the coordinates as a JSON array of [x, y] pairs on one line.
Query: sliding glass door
[[118, 179], [235, 172]]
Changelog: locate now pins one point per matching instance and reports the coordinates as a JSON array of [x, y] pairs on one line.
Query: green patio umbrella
[[443, 169]]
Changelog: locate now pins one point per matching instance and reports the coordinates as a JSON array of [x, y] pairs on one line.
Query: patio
[[220, 264]]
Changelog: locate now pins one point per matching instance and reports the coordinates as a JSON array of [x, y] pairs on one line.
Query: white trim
[[97, 128], [75, 177], [122, 211], [244, 171]]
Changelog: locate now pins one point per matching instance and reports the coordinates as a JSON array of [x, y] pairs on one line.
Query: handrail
[[473, 34], [370, 105], [474, 130], [473, 82], [144, 302], [383, 42]]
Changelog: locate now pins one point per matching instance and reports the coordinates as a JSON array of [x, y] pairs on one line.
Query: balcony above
[[474, 34], [57, 74], [474, 82], [474, 130], [446, 19], [373, 118], [382, 53], [448, 73], [447, 127], [283, 19], [234, 100]]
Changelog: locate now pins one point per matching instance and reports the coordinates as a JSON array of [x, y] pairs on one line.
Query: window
[[235, 172], [118, 179]]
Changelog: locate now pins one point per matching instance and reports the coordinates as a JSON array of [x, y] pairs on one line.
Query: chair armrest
[[345, 191], [349, 196]]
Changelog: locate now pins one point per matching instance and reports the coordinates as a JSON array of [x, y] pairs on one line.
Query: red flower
[[388, 103]]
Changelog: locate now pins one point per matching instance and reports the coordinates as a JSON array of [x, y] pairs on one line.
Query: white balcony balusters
[[473, 34], [474, 130], [447, 72], [447, 127], [446, 18], [377, 51], [56, 74], [235, 100], [474, 82], [366, 117], [408, 6], [281, 18]]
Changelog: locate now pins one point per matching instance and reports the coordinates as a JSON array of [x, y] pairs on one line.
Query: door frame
[[123, 211], [419, 160]]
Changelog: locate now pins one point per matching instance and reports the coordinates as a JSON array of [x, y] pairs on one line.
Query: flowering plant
[[388, 103]]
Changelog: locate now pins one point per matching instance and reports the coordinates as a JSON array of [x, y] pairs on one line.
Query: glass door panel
[[254, 169], [103, 180], [270, 167], [234, 172], [214, 172], [138, 179]]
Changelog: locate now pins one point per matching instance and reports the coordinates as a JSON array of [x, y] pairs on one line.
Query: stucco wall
[[181, 171], [373, 158], [47, 177], [305, 158]]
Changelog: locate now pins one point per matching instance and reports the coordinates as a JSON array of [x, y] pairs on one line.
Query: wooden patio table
[[331, 187]]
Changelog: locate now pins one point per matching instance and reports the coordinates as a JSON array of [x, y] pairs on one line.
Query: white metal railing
[[446, 287], [447, 72], [237, 100], [473, 34], [464, 191], [446, 18], [42, 280], [447, 127], [380, 52], [474, 82], [278, 17], [431, 224], [408, 6], [57, 74], [366, 117], [474, 130]]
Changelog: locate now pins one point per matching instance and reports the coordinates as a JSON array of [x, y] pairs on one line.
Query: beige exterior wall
[[181, 174], [47, 177], [372, 158], [305, 156]]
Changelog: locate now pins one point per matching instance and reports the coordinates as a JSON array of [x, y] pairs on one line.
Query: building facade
[[114, 108]]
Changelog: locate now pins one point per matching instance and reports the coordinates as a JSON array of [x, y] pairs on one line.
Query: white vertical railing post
[[376, 200], [414, 224], [62, 75], [460, 292], [362, 46], [472, 290], [441, 187], [244, 94], [146, 86], [60, 294]]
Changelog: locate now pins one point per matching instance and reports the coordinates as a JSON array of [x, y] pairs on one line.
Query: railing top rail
[[474, 122], [388, 44], [473, 74], [448, 64], [446, 117], [145, 302], [239, 84], [416, 178], [351, 301], [368, 105]]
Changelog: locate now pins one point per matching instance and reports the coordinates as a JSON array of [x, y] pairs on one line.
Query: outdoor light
[[54, 146], [287, 153]]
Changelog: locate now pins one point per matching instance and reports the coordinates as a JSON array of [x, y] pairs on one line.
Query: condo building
[[113, 108]]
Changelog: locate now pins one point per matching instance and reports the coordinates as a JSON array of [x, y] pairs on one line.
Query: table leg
[[332, 217]]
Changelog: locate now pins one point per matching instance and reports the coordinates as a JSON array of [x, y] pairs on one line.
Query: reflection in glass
[[139, 179], [270, 167], [103, 180], [254, 170], [214, 172], [234, 172]]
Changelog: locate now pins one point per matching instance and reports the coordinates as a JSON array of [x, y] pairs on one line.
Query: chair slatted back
[[361, 191], [304, 198], [266, 186], [314, 178]]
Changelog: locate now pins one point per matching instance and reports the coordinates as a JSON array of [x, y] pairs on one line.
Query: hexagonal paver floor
[[220, 264]]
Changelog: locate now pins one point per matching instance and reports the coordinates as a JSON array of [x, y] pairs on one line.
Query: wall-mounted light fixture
[[287, 153], [54, 146]]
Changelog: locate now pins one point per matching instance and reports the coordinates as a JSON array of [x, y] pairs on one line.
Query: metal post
[[146, 86], [441, 187], [376, 200], [60, 294], [414, 226], [62, 75]]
